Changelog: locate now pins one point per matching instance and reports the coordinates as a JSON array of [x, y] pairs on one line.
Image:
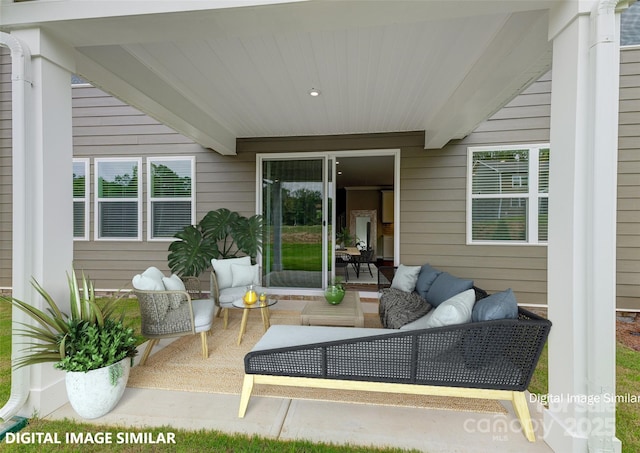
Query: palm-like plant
[[87, 339], [220, 234], [191, 254]]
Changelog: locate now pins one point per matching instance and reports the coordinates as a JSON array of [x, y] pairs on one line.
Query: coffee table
[[346, 313], [264, 311]]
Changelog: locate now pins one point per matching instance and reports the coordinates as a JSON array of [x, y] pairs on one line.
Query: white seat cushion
[[203, 314], [282, 336], [228, 295]]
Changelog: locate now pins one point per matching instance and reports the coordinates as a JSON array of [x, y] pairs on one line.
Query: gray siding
[[432, 192], [105, 127], [628, 252]]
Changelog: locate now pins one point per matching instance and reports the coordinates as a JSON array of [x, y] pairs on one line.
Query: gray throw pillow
[[445, 287], [398, 308], [426, 277], [501, 305], [405, 278]]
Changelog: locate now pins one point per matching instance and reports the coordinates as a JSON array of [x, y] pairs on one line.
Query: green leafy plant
[[344, 237], [91, 337], [220, 234]]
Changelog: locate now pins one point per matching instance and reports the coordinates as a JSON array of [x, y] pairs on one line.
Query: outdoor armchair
[[166, 314], [229, 279]]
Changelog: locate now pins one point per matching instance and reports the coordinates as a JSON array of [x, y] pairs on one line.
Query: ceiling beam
[[148, 92], [503, 71]]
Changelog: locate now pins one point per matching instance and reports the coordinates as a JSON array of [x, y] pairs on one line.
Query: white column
[[45, 189], [582, 232]]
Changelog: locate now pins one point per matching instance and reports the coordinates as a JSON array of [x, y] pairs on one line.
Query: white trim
[[532, 195], [149, 199], [22, 131], [98, 200], [86, 199]]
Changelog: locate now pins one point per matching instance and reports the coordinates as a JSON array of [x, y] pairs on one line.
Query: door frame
[[329, 174]]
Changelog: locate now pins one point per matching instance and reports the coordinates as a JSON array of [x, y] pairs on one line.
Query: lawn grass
[[185, 441]]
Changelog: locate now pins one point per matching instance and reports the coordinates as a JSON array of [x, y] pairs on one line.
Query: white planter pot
[[92, 394]]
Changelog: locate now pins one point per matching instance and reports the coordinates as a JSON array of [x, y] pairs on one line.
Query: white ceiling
[[381, 66]]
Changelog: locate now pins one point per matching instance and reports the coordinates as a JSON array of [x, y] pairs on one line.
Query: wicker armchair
[[166, 314]]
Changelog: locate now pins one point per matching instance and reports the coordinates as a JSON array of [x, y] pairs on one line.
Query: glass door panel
[[293, 208]]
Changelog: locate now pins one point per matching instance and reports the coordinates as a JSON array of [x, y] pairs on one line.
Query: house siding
[[432, 187], [628, 249]]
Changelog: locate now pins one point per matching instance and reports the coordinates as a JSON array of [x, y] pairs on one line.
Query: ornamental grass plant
[[88, 338]]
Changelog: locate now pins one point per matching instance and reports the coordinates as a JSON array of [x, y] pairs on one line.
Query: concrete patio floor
[[318, 421]]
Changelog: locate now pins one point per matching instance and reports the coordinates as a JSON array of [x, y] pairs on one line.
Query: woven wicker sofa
[[491, 359]]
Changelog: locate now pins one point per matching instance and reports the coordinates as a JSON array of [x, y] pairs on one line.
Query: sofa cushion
[[502, 305], [446, 286], [222, 269], [398, 308], [426, 277], [405, 278], [243, 275], [455, 310]]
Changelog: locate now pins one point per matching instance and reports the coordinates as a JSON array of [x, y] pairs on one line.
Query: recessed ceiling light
[[313, 92]]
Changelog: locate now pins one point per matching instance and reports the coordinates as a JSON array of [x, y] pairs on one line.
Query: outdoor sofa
[[490, 359]]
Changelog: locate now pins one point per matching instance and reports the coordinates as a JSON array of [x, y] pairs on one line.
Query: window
[[80, 199], [508, 194], [171, 198], [118, 196]]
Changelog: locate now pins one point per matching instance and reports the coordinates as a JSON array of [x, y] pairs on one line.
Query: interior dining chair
[[365, 258], [342, 261]]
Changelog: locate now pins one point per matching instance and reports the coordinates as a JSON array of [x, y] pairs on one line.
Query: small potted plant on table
[[91, 345], [335, 292]]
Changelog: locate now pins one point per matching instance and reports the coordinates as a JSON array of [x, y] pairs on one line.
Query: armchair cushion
[[405, 278], [222, 269], [147, 283], [154, 273], [173, 283], [243, 275]]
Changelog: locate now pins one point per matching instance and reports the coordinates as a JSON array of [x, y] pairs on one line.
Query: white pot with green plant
[[92, 345]]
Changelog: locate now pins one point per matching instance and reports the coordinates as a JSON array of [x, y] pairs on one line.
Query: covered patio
[[221, 71]]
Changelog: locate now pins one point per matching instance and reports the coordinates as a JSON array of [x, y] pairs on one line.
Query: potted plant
[[220, 234], [90, 344], [344, 238]]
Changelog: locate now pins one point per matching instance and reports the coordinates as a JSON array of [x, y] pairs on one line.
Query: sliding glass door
[[295, 206]]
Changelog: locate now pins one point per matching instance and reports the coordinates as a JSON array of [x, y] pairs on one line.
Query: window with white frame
[[118, 194], [508, 194], [81, 199], [170, 195]]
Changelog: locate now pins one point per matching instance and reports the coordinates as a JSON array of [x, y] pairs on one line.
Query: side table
[[264, 311], [346, 313]]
